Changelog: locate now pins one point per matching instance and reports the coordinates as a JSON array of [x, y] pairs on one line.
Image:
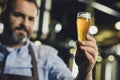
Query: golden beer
[[83, 24]]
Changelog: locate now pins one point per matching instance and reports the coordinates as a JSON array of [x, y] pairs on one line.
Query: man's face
[[22, 19]]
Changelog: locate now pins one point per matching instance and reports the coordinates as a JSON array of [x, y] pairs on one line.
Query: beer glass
[[83, 24]]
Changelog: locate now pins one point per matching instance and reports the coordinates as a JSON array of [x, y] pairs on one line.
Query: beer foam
[[86, 15]]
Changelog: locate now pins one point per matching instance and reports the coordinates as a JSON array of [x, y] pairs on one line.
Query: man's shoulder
[[47, 48], [44, 50]]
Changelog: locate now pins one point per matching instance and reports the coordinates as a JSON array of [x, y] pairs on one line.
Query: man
[[20, 59]]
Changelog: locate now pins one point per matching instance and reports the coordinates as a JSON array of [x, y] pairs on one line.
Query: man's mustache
[[22, 28]]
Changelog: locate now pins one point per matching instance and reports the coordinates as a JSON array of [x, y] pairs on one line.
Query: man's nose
[[25, 22]]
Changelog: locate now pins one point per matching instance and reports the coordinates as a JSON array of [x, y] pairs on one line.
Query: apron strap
[[34, 63], [5, 51]]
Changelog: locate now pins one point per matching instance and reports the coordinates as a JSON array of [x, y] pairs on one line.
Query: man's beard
[[11, 36], [18, 37]]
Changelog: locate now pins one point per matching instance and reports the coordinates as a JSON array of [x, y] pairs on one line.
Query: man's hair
[[9, 5]]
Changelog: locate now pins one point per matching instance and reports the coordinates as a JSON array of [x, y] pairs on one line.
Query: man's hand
[[86, 55]]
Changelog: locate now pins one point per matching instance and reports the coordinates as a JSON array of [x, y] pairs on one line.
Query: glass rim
[[84, 15]]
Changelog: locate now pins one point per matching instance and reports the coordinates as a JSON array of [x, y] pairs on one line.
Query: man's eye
[[31, 19], [17, 14]]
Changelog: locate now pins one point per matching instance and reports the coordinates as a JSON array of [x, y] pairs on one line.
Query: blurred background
[[56, 26]]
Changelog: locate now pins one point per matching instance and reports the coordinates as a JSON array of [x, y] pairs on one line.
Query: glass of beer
[[83, 24]]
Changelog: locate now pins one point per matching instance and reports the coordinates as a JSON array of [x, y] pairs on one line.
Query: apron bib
[[19, 77]]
